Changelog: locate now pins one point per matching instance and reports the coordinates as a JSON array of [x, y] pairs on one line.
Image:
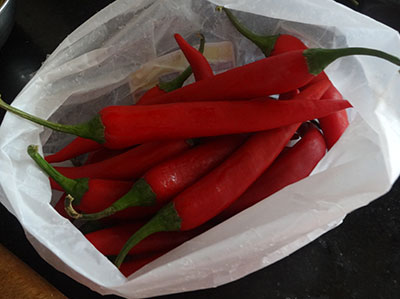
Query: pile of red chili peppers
[[185, 158]]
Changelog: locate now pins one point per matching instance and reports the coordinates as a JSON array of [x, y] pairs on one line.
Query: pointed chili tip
[[219, 8]]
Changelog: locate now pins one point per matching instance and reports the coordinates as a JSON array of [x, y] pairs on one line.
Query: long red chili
[[167, 179], [222, 186], [215, 191], [291, 166], [122, 127], [129, 165], [333, 125], [271, 75]]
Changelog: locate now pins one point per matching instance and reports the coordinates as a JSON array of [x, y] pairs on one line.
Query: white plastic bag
[[89, 70]]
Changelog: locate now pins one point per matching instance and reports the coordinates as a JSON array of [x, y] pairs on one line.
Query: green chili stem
[[140, 194], [318, 59], [167, 219], [182, 77], [266, 43], [93, 129], [76, 187]]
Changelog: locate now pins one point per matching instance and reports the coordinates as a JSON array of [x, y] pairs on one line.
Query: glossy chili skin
[[77, 147], [291, 166], [128, 165], [333, 125], [222, 186], [131, 125], [172, 176], [273, 141], [200, 66], [267, 76]]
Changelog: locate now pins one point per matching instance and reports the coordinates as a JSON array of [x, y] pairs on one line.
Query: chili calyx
[[265, 43], [78, 187], [140, 194], [167, 219]]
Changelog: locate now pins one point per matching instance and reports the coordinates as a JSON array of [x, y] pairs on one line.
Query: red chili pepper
[[77, 147], [222, 186], [129, 125], [109, 241], [272, 75], [164, 87], [333, 125], [291, 166], [129, 165], [215, 191], [167, 179]]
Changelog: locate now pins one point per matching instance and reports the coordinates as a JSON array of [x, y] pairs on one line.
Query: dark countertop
[[359, 259]]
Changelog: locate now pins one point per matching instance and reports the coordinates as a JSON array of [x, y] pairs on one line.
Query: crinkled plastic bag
[[92, 68]]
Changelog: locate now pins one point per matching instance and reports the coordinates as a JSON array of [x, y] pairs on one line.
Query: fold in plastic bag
[[85, 73]]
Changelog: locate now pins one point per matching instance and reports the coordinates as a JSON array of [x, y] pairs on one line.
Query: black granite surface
[[359, 259]]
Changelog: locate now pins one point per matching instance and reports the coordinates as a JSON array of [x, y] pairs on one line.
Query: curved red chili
[[200, 66], [129, 165], [130, 125], [222, 186], [77, 147], [333, 125], [215, 191], [167, 179], [291, 166]]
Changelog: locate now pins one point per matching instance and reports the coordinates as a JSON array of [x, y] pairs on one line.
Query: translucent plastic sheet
[[93, 67]]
